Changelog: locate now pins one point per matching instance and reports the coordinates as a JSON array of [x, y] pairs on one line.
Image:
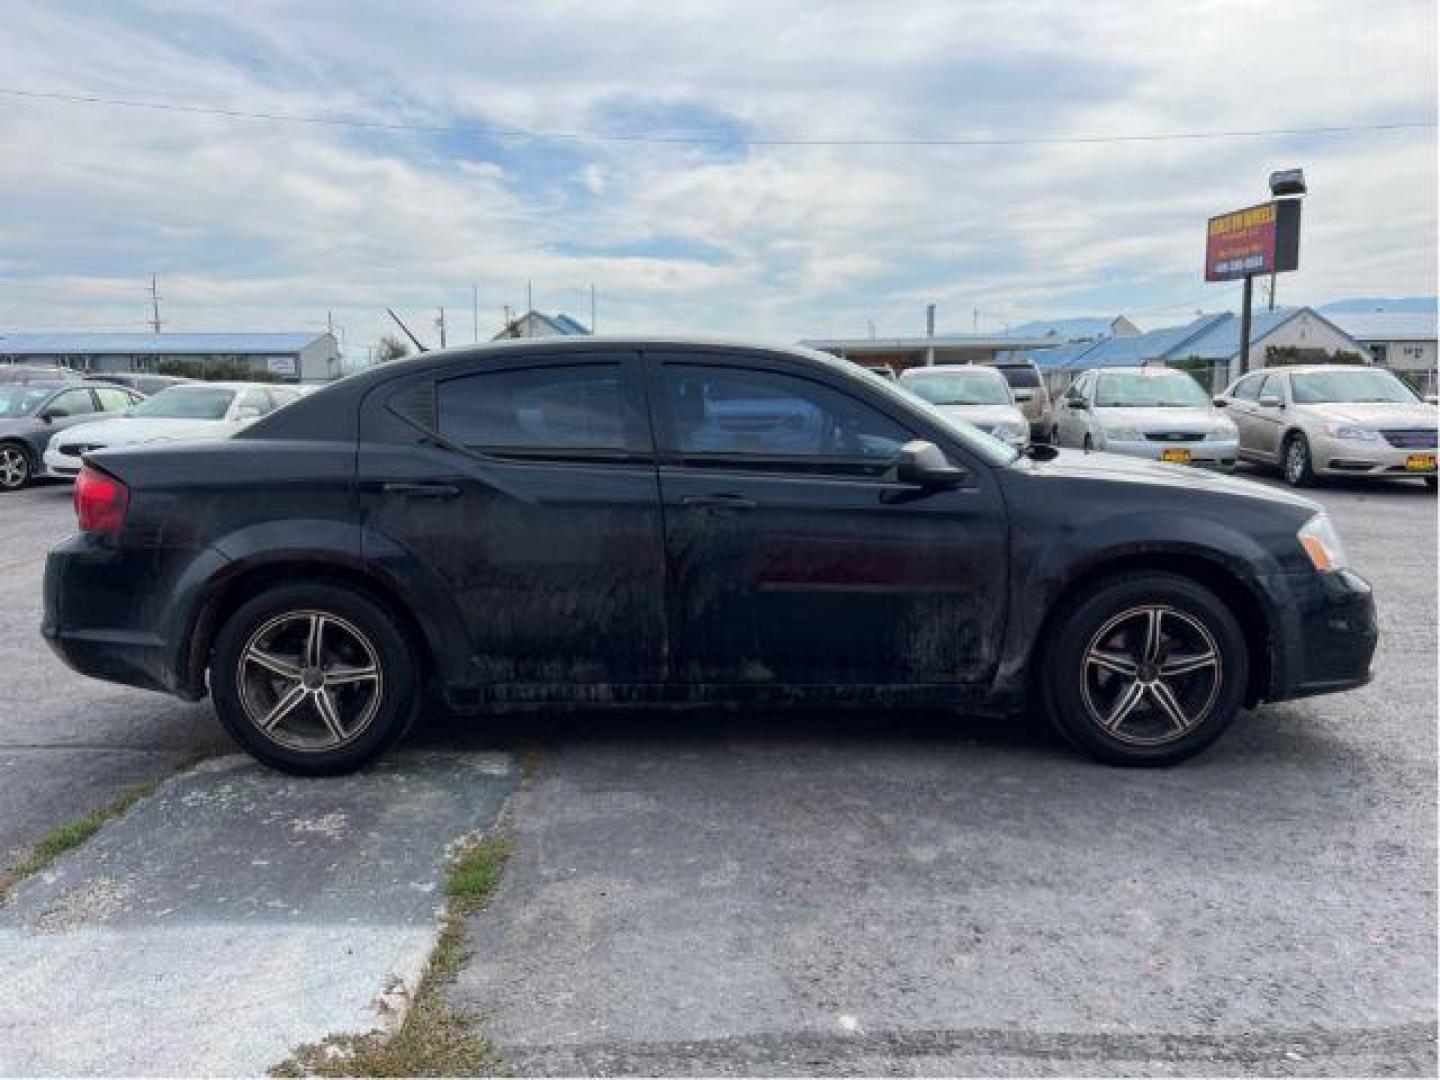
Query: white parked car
[[977, 394], [1333, 420], [1152, 412], [189, 411]]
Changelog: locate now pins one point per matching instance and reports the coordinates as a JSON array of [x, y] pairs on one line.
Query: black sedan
[[32, 412], [672, 521]]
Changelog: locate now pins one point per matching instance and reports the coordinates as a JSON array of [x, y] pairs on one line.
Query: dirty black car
[[675, 521]]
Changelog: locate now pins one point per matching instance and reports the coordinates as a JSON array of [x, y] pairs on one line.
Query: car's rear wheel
[[314, 678], [15, 467], [1145, 669], [1296, 463]]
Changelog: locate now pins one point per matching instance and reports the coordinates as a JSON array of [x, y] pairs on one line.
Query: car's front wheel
[[15, 467], [313, 679], [1299, 470], [1145, 669]]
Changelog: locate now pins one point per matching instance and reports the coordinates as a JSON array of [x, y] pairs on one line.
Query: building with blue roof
[[300, 356], [1404, 341], [535, 324], [1209, 343]]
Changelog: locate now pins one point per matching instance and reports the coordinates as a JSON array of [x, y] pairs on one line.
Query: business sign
[[280, 365], [1262, 239]]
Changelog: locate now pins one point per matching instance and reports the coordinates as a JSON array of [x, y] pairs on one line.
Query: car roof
[[214, 386], [988, 369], [1307, 369], [1151, 370]]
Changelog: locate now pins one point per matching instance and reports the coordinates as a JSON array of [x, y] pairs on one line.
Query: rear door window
[[568, 408], [113, 399]]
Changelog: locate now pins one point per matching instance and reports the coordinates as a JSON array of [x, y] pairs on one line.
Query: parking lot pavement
[[68, 744], [236, 914], [881, 894]]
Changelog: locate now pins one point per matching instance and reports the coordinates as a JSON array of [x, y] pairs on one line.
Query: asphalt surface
[[774, 894], [69, 744], [780, 893]]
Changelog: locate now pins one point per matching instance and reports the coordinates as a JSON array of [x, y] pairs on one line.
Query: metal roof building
[[300, 356]]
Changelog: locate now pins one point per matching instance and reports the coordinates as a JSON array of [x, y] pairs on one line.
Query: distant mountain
[[1380, 303], [1065, 329]]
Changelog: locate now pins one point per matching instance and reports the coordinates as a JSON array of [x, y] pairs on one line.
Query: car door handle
[[717, 504], [421, 490]]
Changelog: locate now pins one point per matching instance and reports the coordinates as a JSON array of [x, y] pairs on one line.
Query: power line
[[705, 140]]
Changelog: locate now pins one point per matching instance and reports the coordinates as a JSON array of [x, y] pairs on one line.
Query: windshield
[[17, 400], [995, 451], [186, 403], [959, 388], [1359, 385], [1170, 391]]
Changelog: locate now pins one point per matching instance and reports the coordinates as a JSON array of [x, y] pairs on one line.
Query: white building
[[1403, 341]]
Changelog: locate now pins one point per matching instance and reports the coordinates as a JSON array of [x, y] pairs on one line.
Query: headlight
[[1226, 432], [1349, 431], [1123, 434], [1322, 543]]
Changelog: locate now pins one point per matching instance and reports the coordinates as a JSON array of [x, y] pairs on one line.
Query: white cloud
[[271, 225]]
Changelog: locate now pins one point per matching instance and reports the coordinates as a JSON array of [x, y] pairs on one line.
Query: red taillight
[[100, 501]]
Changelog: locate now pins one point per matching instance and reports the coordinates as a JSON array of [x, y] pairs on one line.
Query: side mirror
[[1219, 402], [48, 415], [1271, 401], [924, 465]]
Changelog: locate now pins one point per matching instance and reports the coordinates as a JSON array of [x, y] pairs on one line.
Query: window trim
[[633, 415], [807, 466]]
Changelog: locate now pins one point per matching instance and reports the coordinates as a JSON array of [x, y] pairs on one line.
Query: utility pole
[[440, 322], [592, 308], [154, 305], [1246, 298], [475, 313], [529, 297]]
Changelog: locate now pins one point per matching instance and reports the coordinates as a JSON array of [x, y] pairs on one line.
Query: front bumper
[[1209, 453], [1327, 633], [1355, 457]]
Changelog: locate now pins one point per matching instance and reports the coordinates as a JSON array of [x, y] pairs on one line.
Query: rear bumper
[[107, 616], [1327, 634]]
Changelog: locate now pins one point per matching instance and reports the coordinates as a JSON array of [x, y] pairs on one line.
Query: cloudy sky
[[255, 224]]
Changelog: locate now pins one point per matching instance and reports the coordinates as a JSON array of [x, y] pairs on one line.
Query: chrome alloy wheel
[[14, 467], [1150, 675], [309, 680]]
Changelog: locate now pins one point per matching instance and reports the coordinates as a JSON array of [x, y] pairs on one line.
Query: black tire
[[1430, 482], [363, 634], [1080, 694], [1295, 461], [16, 467]]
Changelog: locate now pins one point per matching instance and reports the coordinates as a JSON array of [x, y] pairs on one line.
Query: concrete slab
[[236, 914]]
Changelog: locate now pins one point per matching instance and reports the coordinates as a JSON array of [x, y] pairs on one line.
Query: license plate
[[1177, 454], [1420, 462]]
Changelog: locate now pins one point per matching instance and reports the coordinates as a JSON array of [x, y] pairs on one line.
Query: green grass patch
[[72, 834], [434, 1039]]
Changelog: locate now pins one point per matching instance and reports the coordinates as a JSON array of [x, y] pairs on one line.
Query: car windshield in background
[[17, 399], [959, 388], [1315, 387], [995, 451], [1149, 391], [1023, 377], [186, 403]]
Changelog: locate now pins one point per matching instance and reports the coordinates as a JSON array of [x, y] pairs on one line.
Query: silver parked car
[[1333, 420], [1153, 412], [1031, 395], [977, 394]]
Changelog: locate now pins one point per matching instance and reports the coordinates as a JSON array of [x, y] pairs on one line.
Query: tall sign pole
[[1263, 239]]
